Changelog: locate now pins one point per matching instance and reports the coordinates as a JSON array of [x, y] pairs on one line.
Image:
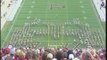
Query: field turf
[[55, 15]]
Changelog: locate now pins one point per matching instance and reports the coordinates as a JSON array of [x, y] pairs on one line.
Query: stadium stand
[[101, 9], [29, 53], [15, 4], [2, 22], [4, 4], [8, 10]]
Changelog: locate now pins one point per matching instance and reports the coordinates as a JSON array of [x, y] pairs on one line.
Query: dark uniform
[[102, 4]]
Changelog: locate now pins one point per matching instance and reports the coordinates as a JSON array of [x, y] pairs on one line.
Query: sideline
[[98, 19], [13, 23]]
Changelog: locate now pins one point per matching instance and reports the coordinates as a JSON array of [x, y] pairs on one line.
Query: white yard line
[[13, 23], [97, 18]]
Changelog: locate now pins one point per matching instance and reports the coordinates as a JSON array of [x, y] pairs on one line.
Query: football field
[[55, 23]]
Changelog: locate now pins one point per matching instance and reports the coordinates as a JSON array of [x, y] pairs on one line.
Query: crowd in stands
[[22, 53], [103, 4]]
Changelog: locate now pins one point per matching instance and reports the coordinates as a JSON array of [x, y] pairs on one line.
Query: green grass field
[[54, 18]]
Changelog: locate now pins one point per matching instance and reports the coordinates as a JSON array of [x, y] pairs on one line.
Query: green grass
[[56, 17]]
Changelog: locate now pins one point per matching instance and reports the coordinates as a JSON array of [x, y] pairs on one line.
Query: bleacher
[[101, 11], [9, 9], [4, 4], [13, 9]]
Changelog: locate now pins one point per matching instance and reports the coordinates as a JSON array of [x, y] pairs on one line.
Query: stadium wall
[[13, 10], [4, 4], [8, 13], [2, 22], [102, 11]]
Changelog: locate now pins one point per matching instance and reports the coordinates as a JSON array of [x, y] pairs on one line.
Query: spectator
[[9, 58], [88, 56], [6, 52], [34, 56], [0, 53], [71, 57], [50, 56], [20, 55], [44, 57], [11, 53], [69, 52], [59, 55]]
